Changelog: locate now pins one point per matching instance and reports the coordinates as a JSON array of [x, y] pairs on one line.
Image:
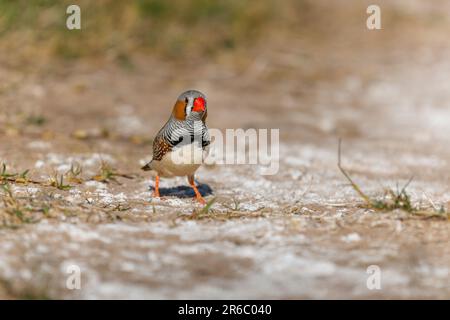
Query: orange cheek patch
[[179, 110]]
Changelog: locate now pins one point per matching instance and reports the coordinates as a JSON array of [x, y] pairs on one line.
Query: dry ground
[[303, 233]]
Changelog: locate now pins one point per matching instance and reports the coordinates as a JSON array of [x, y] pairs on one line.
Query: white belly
[[183, 161]]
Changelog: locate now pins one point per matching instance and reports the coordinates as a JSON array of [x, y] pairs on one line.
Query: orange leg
[[156, 192], [198, 196]]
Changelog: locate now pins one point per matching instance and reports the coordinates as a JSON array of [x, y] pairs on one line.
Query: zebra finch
[[182, 144]]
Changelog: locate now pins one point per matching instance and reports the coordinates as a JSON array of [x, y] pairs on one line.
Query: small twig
[[354, 185], [108, 173], [431, 202], [204, 211], [407, 184], [398, 199]]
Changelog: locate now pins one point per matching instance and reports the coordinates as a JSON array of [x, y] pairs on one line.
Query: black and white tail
[[147, 167]]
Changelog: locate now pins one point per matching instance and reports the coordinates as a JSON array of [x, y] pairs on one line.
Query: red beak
[[199, 105]]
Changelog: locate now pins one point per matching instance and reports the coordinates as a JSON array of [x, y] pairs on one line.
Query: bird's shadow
[[184, 191]]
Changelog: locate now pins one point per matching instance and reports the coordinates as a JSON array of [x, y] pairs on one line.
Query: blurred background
[[311, 64], [310, 68]]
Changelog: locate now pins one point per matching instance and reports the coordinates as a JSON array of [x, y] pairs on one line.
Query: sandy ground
[[302, 233]]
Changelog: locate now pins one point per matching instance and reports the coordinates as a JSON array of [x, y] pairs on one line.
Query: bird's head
[[190, 105]]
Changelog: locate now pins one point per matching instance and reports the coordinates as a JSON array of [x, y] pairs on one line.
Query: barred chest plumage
[[181, 147]]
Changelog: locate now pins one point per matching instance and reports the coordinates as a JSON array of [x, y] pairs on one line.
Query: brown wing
[[160, 148]]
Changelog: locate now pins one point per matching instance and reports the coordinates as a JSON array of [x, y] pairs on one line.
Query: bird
[[182, 144]]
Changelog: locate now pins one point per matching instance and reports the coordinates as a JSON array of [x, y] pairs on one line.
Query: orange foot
[[200, 199], [155, 195], [198, 196]]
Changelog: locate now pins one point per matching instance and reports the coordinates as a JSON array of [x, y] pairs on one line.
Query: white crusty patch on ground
[[39, 145], [308, 174], [63, 163], [257, 257]]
